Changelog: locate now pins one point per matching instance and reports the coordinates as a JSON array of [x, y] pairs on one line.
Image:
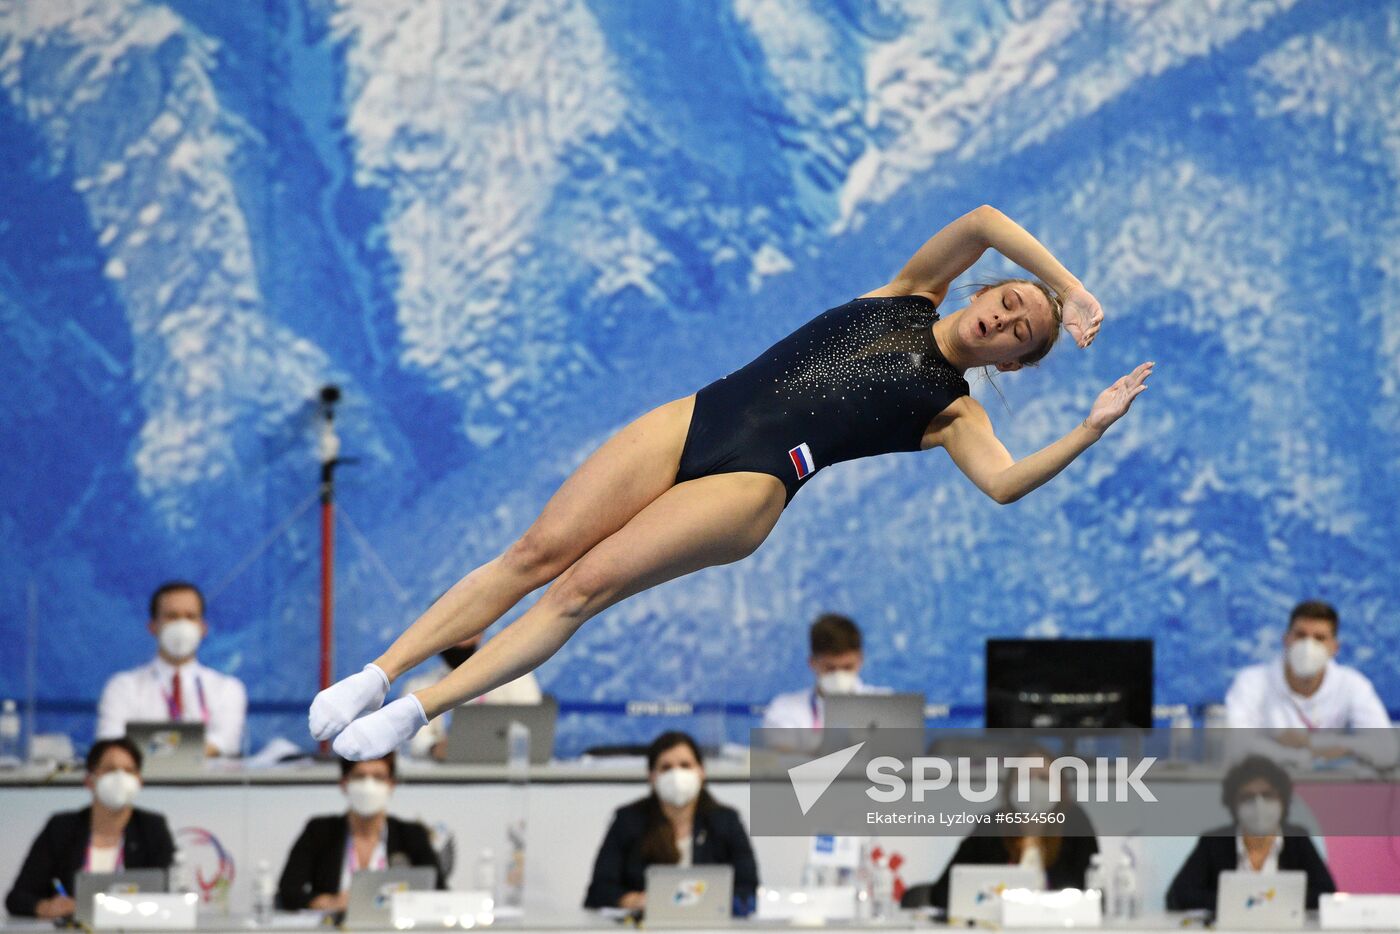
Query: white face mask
[[179, 638], [368, 796], [116, 790], [1259, 815], [1038, 797], [838, 682], [678, 787], [1307, 657]]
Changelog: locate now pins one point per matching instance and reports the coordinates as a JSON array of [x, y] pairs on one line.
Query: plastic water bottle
[[865, 885], [9, 734], [1126, 898], [264, 894], [882, 880], [180, 882], [1096, 880], [518, 751], [485, 880], [1182, 745]]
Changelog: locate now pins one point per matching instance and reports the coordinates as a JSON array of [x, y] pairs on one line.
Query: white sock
[[375, 735], [334, 708]]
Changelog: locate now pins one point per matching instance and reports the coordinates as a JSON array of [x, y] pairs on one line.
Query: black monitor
[[1069, 683]]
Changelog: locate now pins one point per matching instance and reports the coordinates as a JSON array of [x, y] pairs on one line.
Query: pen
[[58, 887]]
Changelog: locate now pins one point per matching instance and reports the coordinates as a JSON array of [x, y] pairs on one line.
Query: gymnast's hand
[[1112, 404], [1081, 315]]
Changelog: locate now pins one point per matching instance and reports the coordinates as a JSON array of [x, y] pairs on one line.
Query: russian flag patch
[[802, 462]]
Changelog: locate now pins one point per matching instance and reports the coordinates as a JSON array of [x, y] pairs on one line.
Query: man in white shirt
[[835, 659], [174, 686], [1306, 690], [431, 740]]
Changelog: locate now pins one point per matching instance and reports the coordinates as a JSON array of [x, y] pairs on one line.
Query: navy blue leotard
[[862, 379]]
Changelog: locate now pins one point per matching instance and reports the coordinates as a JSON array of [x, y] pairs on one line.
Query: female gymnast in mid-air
[[701, 481]]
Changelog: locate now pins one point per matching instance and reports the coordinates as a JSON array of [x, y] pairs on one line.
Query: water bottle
[[1126, 898], [9, 734], [264, 894], [1096, 880], [485, 880], [180, 882], [1182, 746], [518, 751], [1216, 728], [865, 885], [882, 879]]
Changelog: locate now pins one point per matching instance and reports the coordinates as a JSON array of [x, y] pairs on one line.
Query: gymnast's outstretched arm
[[965, 432]]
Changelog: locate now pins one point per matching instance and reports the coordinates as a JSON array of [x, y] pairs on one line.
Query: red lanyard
[[176, 715]]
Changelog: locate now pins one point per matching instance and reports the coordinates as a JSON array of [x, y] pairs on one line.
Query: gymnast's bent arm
[[954, 249], [965, 432]]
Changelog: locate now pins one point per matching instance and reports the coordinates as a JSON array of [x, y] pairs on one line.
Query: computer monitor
[[1069, 683]]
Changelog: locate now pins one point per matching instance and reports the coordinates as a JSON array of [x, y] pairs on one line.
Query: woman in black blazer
[[678, 823], [108, 835], [1258, 793], [334, 847]]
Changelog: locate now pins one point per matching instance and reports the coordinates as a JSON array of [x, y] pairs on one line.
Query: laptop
[[974, 892], [372, 890], [168, 746], [689, 896], [875, 711], [477, 735], [87, 884], [1255, 901], [890, 724]]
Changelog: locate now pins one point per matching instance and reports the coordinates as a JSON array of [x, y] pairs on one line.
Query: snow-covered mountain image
[[506, 227]]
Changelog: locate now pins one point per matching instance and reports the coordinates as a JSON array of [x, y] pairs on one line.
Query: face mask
[[678, 787], [838, 682], [454, 655], [179, 638], [1259, 815], [1307, 657], [116, 790], [1037, 800], [368, 796]]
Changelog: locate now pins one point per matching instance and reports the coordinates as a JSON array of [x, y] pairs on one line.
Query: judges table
[[593, 925], [228, 817]]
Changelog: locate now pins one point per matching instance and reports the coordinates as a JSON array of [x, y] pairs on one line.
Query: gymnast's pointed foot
[[376, 735], [334, 708]]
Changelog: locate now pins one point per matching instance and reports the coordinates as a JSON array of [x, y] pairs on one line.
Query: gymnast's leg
[[708, 521], [630, 470]]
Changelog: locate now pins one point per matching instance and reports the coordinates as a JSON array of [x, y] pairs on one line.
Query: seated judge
[[174, 685], [334, 847], [836, 657], [677, 824], [1061, 850], [1258, 793], [107, 836], [1309, 699]]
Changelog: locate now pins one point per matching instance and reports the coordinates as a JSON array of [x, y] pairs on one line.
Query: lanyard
[[379, 859], [170, 698], [1307, 722], [121, 857], [816, 711]]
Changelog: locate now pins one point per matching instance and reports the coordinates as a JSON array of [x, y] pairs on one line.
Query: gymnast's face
[[1004, 323]]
